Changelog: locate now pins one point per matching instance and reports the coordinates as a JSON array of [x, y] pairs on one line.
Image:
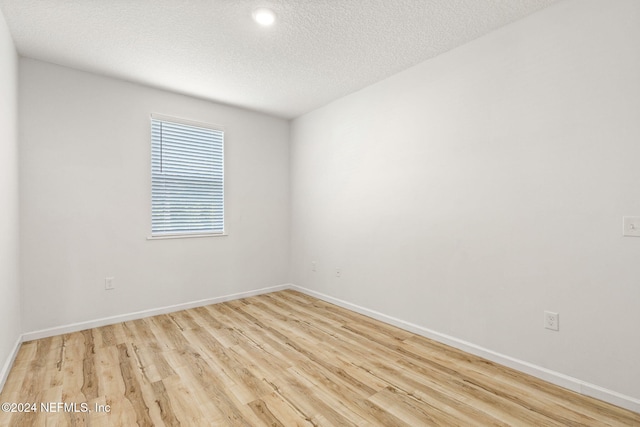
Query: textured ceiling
[[317, 51]]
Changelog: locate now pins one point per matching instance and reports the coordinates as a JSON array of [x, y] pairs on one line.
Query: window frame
[[184, 234]]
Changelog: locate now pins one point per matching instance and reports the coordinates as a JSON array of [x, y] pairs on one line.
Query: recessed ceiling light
[[264, 16]]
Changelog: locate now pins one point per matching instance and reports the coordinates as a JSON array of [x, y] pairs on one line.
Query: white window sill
[[185, 236]]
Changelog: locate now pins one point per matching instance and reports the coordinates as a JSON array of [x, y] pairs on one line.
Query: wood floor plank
[[280, 359], [283, 412], [164, 403], [190, 406], [111, 385], [132, 387]]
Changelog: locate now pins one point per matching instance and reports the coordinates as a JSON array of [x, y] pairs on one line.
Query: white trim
[[80, 326], [181, 121], [553, 377], [184, 236], [4, 373]]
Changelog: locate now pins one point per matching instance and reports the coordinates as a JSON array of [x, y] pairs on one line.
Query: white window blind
[[187, 189]]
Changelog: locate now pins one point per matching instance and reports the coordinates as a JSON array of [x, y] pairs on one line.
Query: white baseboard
[[80, 326], [553, 377], [4, 373]]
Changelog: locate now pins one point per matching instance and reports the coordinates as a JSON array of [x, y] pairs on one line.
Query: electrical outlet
[[338, 272], [552, 320], [631, 226], [314, 265], [108, 284]]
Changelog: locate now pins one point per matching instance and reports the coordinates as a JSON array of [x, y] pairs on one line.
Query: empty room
[[320, 213]]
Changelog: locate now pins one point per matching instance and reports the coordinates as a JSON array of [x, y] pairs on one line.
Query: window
[[187, 178]]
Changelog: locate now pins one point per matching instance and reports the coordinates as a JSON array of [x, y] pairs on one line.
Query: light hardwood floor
[[281, 359]]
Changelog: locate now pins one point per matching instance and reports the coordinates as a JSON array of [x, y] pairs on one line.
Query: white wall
[[9, 286], [85, 201], [474, 191]]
